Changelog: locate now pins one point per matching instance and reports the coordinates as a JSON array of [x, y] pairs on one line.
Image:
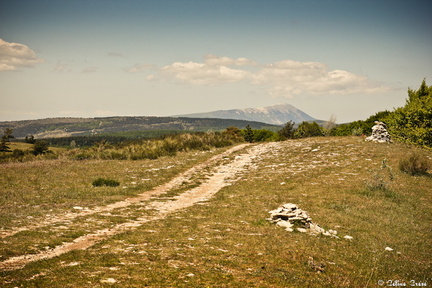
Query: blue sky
[[98, 58]]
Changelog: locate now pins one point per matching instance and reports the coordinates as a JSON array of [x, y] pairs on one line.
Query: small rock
[[190, 275], [348, 237], [285, 224], [108, 280], [302, 230], [388, 249], [78, 208]]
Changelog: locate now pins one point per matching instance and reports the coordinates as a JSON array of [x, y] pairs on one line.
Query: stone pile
[[291, 217], [379, 133]]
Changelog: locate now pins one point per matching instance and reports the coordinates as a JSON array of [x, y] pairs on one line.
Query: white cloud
[[214, 71], [214, 60], [14, 56], [286, 78], [289, 78]]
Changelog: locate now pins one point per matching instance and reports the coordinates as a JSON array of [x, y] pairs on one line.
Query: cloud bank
[[286, 78], [14, 56]]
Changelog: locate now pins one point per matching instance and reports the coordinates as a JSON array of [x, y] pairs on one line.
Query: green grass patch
[[105, 182]]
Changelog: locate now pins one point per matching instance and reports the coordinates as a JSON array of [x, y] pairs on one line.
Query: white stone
[[348, 237], [388, 249], [285, 224], [108, 280]]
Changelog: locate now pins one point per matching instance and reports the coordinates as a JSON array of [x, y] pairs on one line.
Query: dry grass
[[227, 241]]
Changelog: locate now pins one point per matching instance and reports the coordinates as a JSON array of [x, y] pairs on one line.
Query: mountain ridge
[[67, 127], [276, 115]]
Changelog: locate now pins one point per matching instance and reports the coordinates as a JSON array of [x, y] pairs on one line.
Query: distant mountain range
[[270, 118], [67, 127], [276, 115]]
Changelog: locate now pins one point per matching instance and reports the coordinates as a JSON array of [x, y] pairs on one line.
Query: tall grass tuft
[[381, 179], [105, 182], [415, 164]]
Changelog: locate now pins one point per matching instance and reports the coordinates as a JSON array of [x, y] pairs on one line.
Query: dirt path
[[222, 174], [175, 182]]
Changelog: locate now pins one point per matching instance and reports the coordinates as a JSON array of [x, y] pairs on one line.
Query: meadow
[[344, 183]]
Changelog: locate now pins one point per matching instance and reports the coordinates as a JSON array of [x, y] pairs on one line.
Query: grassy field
[[345, 184]]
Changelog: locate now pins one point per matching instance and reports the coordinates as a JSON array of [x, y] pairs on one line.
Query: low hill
[[67, 127]]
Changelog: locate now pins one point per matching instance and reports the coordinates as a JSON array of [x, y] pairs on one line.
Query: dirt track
[[223, 170]]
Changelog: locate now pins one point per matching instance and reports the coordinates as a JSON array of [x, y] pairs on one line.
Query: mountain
[[67, 127], [276, 115]]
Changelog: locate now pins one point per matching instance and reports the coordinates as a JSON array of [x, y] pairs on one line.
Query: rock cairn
[[379, 133], [291, 217]]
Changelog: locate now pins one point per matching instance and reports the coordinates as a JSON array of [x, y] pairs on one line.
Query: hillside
[[276, 115], [66, 127], [200, 218]]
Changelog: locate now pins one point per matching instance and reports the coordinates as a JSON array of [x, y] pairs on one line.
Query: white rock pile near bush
[[379, 133], [291, 217]]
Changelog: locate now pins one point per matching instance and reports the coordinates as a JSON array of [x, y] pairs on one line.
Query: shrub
[[381, 179], [414, 164], [40, 147], [105, 182], [412, 123], [307, 129], [18, 153]]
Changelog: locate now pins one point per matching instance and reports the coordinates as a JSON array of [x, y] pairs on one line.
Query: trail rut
[[222, 173]]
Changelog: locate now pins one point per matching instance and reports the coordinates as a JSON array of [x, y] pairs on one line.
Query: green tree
[[307, 129], [30, 139], [40, 147], [288, 130], [413, 123], [249, 134], [7, 134]]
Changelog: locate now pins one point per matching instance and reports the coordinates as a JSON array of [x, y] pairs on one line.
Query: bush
[[18, 154], [415, 164], [412, 123], [40, 147], [105, 182], [307, 129]]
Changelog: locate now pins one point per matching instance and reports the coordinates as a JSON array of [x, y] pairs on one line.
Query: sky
[[97, 58]]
